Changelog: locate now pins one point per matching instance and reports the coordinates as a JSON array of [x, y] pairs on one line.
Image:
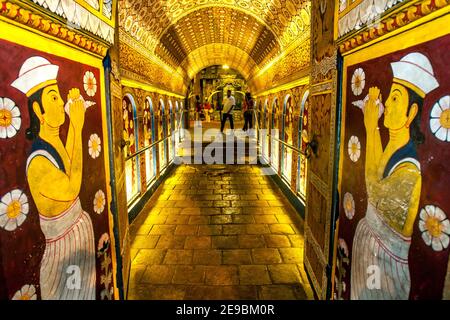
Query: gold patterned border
[[38, 22], [406, 15]]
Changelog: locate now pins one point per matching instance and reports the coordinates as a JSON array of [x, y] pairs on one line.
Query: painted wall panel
[[400, 213], [50, 242]]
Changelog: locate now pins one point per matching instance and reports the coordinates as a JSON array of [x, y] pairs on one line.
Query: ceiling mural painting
[[94, 16], [354, 15], [189, 35]]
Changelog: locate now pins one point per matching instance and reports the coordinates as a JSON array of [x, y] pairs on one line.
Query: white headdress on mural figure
[[36, 73], [415, 72]]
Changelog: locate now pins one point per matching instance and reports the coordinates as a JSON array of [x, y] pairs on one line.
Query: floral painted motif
[[10, 120], [365, 12], [95, 146], [342, 262], [440, 119], [354, 148], [349, 205], [358, 81], [99, 202], [90, 83], [106, 278], [343, 246], [13, 210], [103, 243], [27, 292], [435, 227]]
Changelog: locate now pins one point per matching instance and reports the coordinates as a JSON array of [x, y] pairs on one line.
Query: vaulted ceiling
[[189, 35]]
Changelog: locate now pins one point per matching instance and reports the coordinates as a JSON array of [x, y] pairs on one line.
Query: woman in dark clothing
[[248, 111]]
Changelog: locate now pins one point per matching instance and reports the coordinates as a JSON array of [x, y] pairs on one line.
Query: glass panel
[[131, 178], [161, 135], [169, 132], [130, 136], [288, 138], [162, 155], [302, 165], [275, 156], [148, 140], [266, 138]]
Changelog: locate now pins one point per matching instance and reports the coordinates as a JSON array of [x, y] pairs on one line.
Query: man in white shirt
[[228, 105]]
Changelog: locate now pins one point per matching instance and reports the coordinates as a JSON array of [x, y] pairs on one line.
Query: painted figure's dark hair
[[417, 135], [33, 131]]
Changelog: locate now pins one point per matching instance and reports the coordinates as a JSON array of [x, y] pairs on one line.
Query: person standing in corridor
[[198, 108], [228, 105], [248, 112]]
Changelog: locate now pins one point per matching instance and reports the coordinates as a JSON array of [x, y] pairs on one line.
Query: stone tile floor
[[218, 232]]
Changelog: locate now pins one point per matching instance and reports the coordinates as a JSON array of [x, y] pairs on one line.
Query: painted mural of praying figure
[[54, 174], [393, 180]]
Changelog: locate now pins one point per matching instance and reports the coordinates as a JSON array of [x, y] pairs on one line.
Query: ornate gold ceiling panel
[[173, 29], [218, 54], [216, 25]]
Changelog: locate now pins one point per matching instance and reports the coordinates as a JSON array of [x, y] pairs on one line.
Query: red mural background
[[427, 267], [21, 250]]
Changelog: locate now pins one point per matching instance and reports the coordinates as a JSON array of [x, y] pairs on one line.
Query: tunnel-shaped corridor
[[220, 232], [224, 149]]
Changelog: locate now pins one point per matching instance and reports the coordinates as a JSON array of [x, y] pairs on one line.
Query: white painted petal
[[25, 289], [2, 132], [17, 295], [20, 219], [3, 220], [430, 210], [358, 155], [422, 226], [10, 132], [1, 104], [438, 213], [445, 226], [436, 244], [6, 199], [25, 208], [11, 225], [426, 238], [445, 102], [3, 208], [33, 297], [435, 125], [15, 112], [23, 198], [8, 104], [15, 194], [436, 111], [445, 240], [16, 122], [441, 134]]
